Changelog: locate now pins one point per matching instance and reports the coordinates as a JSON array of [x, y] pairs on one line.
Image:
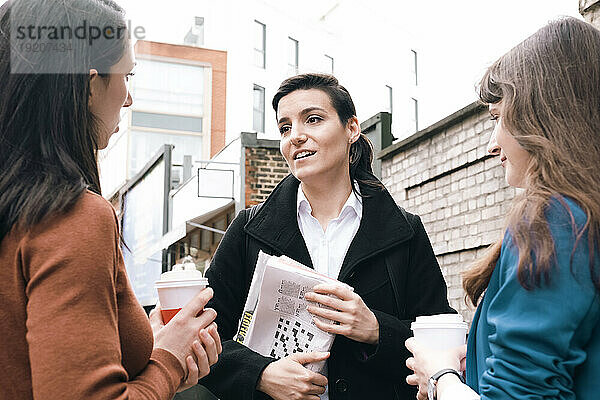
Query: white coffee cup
[[441, 331], [177, 287]]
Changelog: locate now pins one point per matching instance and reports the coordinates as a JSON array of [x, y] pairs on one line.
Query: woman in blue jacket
[[536, 332]]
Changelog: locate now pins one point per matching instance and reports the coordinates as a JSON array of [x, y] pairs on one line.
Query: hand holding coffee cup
[[190, 333], [441, 331], [177, 287], [438, 343], [427, 361]]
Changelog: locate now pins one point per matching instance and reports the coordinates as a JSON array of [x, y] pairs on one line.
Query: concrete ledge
[[371, 122], [249, 139], [431, 130]]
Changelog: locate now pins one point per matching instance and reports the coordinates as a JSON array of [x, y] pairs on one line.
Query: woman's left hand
[[425, 362], [355, 320]]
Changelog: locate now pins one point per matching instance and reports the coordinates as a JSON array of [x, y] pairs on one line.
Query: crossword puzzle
[[290, 337], [285, 305], [289, 288], [292, 289]]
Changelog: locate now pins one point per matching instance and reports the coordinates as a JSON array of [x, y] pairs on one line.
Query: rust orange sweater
[[71, 327]]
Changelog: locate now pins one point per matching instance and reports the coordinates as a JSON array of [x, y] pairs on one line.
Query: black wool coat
[[390, 264]]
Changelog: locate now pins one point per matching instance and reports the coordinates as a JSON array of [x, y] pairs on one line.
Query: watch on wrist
[[432, 382]]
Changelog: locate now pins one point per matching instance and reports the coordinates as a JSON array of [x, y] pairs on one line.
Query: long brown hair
[[549, 86], [48, 135]]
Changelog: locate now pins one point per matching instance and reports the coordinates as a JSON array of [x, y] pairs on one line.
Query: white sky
[[456, 40], [459, 39]]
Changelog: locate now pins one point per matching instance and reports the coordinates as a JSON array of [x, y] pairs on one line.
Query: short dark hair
[[338, 95], [361, 151]]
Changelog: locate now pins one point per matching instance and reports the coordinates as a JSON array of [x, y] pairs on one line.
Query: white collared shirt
[[328, 249]]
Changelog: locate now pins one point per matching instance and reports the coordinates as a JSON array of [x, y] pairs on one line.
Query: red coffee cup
[[177, 287]]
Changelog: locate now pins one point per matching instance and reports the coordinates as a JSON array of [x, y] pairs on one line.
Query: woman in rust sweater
[[71, 326]]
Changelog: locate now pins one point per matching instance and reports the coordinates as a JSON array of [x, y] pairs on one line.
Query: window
[[258, 123], [328, 67], [166, 121], [415, 112], [390, 98], [260, 34], [169, 87], [145, 143], [293, 56], [414, 69], [170, 98]]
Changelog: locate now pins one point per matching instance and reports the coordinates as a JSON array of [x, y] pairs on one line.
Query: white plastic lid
[[180, 284], [439, 321], [183, 272]]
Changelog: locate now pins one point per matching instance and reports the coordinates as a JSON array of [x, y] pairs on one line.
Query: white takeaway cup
[[177, 287], [441, 331]]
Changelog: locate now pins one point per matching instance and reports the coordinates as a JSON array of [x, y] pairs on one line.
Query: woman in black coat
[[386, 257]]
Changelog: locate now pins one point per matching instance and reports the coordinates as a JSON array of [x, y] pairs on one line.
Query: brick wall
[[444, 175], [264, 168]]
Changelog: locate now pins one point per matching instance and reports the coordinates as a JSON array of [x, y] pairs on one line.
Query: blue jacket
[[543, 343]]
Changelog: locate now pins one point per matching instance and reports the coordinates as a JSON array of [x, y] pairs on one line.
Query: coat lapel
[[276, 223], [382, 226]]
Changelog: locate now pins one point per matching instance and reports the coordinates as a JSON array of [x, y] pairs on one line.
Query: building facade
[[199, 96], [179, 97], [168, 211], [273, 40]]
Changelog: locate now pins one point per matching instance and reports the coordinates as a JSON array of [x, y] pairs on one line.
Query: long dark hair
[[361, 151], [549, 86], [48, 136]]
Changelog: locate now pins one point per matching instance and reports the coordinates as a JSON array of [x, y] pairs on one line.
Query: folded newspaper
[[275, 322]]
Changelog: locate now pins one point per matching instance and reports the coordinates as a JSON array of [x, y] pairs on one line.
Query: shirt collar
[[354, 202]]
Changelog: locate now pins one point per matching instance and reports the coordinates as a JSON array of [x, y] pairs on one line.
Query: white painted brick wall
[[462, 206]]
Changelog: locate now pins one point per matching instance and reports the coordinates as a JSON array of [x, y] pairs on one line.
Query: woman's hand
[[287, 378], [205, 355], [426, 361], [354, 319], [187, 335]]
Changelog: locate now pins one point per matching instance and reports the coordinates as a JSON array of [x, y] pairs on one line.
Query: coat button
[[341, 386]]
